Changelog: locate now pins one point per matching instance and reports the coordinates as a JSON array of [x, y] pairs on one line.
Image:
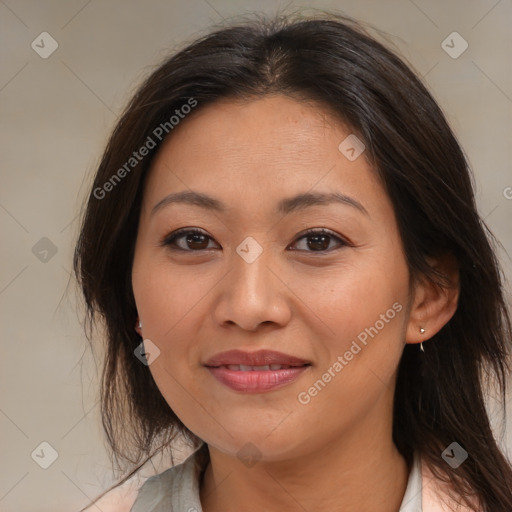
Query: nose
[[253, 294]]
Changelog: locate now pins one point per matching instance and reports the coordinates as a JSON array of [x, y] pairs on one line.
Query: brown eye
[[195, 240], [320, 240], [190, 240]]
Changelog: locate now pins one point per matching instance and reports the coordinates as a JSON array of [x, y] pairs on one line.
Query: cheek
[[353, 296], [168, 302], [364, 307], [166, 294]]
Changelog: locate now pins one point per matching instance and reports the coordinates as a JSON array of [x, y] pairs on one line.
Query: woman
[[283, 242]]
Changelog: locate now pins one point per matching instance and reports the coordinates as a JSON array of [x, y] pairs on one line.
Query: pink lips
[[256, 372]]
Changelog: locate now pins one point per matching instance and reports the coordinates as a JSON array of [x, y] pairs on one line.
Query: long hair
[[332, 60]]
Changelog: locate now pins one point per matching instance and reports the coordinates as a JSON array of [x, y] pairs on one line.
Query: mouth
[[265, 367], [256, 372], [261, 360]]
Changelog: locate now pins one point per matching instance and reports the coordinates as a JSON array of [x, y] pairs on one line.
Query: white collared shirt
[[177, 489]]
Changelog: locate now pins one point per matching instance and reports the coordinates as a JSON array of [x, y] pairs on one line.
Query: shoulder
[[144, 493], [119, 499], [439, 496]]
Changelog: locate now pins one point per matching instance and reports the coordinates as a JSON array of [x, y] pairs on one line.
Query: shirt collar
[[177, 488]]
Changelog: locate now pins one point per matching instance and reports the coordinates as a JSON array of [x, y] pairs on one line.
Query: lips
[[247, 368], [240, 360], [256, 372]]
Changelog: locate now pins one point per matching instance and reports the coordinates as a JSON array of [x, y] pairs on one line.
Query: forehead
[[274, 123], [263, 146]]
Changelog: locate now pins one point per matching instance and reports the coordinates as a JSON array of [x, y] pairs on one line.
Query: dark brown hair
[[331, 60]]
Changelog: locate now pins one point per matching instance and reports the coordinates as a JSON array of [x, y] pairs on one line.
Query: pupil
[[202, 244], [320, 242]]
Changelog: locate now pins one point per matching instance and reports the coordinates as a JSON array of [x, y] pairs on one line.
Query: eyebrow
[[284, 207]]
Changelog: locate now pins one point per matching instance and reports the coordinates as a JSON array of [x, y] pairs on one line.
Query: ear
[[138, 327], [433, 306]]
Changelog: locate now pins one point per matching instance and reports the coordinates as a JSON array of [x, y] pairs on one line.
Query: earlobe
[[138, 327], [433, 305]]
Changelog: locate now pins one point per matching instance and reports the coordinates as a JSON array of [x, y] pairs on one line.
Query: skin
[[336, 452]]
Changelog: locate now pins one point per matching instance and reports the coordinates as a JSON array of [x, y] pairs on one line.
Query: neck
[[358, 471]]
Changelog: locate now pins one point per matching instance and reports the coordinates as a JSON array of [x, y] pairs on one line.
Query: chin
[[257, 447]]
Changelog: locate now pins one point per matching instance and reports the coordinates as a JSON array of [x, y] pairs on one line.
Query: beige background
[[55, 115]]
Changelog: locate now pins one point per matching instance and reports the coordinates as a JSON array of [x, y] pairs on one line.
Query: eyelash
[[169, 240]]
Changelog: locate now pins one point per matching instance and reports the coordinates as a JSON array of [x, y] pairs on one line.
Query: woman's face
[[252, 280]]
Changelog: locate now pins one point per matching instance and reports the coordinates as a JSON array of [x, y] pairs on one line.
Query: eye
[[195, 240], [187, 239], [319, 240]]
